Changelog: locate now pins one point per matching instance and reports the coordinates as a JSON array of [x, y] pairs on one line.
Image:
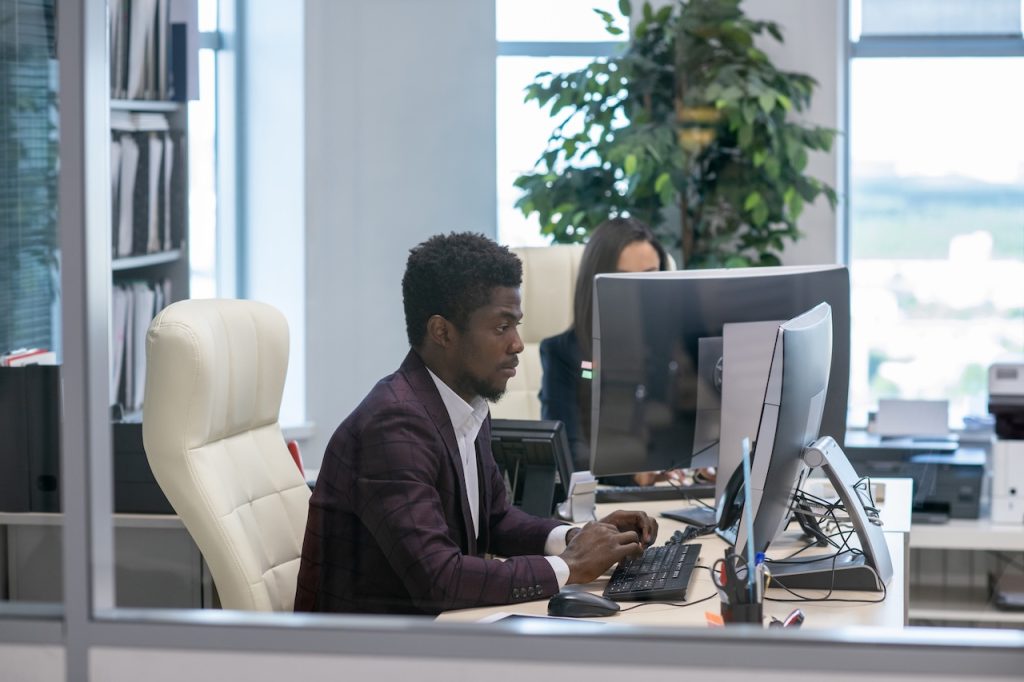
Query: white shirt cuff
[[553, 546], [560, 568]]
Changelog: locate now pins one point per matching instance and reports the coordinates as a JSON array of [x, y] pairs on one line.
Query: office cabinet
[[156, 564]]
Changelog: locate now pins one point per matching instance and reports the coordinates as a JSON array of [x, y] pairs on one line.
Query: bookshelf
[[149, 232]]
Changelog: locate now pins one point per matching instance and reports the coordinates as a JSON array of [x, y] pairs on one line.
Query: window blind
[[29, 271]]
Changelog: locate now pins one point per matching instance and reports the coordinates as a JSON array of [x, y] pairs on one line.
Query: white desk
[[892, 612]]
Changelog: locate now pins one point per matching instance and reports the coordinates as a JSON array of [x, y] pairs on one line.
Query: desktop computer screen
[[787, 442], [790, 420], [681, 362], [535, 461]]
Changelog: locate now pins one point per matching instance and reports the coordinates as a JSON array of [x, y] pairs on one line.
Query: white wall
[[814, 44], [400, 145], [31, 663]]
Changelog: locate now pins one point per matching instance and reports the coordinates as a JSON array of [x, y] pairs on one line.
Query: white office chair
[[549, 283], [215, 372]]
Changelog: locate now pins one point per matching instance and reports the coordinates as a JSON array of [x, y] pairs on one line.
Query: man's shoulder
[[393, 395]]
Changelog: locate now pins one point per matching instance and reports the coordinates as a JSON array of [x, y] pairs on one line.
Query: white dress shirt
[[466, 421]]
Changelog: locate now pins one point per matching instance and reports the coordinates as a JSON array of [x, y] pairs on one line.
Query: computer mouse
[[573, 604]]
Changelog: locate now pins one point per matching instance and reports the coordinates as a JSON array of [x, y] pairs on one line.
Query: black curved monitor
[[681, 362]]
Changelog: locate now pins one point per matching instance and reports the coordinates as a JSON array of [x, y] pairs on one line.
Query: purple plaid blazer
[[389, 528]]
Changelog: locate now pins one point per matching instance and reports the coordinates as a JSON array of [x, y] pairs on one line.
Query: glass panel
[[564, 21], [523, 130], [937, 228], [940, 17], [207, 15], [202, 181], [30, 304]]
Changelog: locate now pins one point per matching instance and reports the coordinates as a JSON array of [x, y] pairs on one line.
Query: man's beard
[[482, 388]]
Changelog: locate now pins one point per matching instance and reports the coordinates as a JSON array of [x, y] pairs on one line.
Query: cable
[[828, 596], [843, 548]]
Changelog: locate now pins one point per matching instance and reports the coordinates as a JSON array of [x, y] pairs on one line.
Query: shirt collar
[[466, 417]]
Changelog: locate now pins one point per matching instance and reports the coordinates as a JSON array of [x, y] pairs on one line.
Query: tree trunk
[[686, 235]]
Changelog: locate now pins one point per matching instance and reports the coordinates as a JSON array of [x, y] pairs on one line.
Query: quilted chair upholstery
[[549, 283], [215, 372]]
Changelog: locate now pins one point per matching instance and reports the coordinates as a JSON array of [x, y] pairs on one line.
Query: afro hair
[[452, 276]]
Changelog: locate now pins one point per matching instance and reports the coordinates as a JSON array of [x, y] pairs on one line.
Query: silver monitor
[[791, 414], [787, 442]]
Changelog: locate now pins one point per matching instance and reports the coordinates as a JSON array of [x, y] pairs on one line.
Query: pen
[[748, 517]]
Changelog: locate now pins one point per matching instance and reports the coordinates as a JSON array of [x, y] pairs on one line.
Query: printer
[[1006, 404], [947, 478]]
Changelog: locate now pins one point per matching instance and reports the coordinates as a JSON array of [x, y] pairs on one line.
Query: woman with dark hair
[[617, 245]]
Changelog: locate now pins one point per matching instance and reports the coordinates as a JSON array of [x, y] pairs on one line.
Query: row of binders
[[135, 304], [141, 49], [147, 184]]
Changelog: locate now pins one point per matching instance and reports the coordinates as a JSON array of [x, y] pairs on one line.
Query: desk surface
[[891, 612]]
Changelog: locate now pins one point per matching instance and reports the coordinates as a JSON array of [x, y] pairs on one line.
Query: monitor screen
[[681, 362], [533, 457], [791, 417]]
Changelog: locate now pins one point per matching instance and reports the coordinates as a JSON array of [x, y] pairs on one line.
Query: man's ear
[[440, 331]]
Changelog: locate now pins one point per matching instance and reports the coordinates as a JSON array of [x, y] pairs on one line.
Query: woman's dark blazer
[[564, 395]]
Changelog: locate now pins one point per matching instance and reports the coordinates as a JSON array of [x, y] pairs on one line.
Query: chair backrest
[[549, 283], [215, 372]]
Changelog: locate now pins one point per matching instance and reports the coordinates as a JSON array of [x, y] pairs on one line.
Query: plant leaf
[[663, 180], [625, 7], [630, 164]]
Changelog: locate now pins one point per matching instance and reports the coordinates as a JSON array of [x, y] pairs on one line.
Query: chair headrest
[[220, 366]]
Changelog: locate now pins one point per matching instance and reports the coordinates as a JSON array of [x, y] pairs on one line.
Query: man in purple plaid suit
[[409, 500]]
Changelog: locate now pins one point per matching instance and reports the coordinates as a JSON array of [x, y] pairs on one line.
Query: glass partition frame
[[91, 622]]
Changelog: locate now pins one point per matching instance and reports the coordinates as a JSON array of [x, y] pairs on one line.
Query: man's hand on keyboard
[[645, 526], [596, 547]]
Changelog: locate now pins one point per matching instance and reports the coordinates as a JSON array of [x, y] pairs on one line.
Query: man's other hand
[[645, 527], [597, 546]]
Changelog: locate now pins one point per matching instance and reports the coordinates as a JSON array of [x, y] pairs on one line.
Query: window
[[202, 145], [936, 201], [535, 36]]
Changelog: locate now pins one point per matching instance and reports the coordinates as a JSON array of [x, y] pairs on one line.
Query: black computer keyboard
[[652, 493], [659, 574]]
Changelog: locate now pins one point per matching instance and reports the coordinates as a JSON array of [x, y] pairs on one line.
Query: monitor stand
[[869, 571], [693, 516]]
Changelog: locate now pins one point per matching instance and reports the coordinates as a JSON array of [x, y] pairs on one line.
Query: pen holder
[[742, 613], [740, 598]]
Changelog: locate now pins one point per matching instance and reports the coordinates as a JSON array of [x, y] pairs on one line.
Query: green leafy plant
[[691, 129]]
